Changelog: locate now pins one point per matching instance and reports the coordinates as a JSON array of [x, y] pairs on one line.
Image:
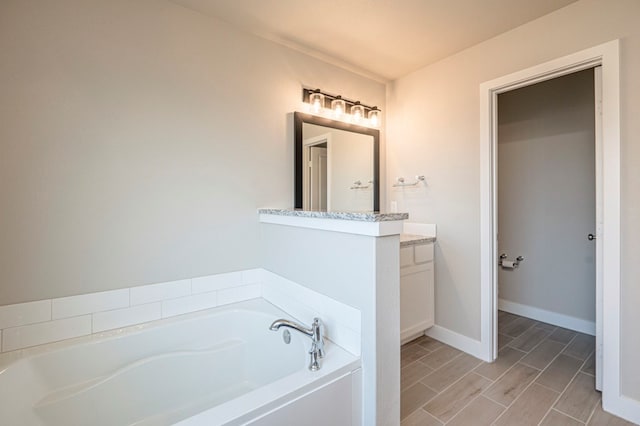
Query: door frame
[[608, 305], [317, 153], [306, 157]]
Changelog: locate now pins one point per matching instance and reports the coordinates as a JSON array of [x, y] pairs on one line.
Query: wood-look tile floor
[[544, 375]]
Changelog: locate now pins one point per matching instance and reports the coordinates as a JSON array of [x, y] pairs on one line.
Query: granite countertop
[[411, 239], [356, 216]]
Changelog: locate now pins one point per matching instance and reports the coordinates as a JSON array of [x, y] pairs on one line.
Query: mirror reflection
[[336, 165]]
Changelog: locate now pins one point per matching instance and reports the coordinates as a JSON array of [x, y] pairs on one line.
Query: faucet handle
[[318, 336]]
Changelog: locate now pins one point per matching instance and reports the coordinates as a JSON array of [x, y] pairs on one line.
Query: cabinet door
[[416, 301]]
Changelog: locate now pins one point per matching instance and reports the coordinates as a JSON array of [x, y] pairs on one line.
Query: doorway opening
[[546, 209], [607, 231]]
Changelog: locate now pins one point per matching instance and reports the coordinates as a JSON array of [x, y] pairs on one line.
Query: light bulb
[[338, 106], [357, 111], [374, 117], [316, 99]]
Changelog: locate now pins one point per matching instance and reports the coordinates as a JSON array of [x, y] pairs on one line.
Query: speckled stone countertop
[[410, 239], [356, 216]]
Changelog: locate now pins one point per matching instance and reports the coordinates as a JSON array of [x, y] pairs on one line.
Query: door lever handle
[[591, 237]]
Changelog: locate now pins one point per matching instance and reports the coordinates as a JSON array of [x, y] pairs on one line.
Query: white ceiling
[[383, 39]]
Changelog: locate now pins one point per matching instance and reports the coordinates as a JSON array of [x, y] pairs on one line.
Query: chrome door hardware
[[516, 263], [591, 237]]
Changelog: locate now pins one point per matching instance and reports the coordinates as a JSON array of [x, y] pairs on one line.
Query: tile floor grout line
[[493, 400], [511, 368], [539, 343], [593, 352], [436, 369], [430, 415], [445, 389], [551, 407], [505, 373], [446, 363], [515, 337], [548, 364], [560, 396], [498, 378], [510, 322], [413, 362], [593, 412], [568, 415], [429, 387], [575, 357], [518, 397], [527, 387], [462, 409], [547, 331]]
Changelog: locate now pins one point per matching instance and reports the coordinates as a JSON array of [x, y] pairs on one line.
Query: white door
[[598, 223], [318, 181]]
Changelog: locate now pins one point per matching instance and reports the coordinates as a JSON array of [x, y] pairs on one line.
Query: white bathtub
[[216, 367]]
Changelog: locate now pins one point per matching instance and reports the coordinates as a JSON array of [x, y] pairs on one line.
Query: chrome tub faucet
[[315, 333]]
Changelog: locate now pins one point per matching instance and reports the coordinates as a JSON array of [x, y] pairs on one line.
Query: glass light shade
[[316, 100], [374, 117], [338, 106], [357, 112]]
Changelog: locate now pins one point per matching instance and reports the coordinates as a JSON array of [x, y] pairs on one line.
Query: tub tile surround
[[44, 332], [158, 292], [66, 307], [342, 321], [25, 313], [185, 305], [30, 324], [119, 318]]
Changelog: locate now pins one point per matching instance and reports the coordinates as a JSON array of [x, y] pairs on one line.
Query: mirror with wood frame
[[336, 165]]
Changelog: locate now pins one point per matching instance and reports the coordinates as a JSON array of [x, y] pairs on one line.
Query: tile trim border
[[169, 299]]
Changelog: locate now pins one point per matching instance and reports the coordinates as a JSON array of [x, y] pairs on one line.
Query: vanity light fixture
[[338, 108]]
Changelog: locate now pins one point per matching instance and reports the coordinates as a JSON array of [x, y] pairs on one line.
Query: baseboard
[[411, 333], [554, 318], [465, 344], [622, 406]]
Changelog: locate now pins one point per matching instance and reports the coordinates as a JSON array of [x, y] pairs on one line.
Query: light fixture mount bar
[[329, 97]]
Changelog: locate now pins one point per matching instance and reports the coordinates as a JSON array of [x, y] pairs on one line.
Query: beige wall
[[137, 140], [433, 129], [546, 195]]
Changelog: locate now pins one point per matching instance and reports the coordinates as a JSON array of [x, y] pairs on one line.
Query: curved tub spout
[[315, 333]]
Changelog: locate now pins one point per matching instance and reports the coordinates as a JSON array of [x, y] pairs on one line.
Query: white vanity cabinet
[[416, 288]]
